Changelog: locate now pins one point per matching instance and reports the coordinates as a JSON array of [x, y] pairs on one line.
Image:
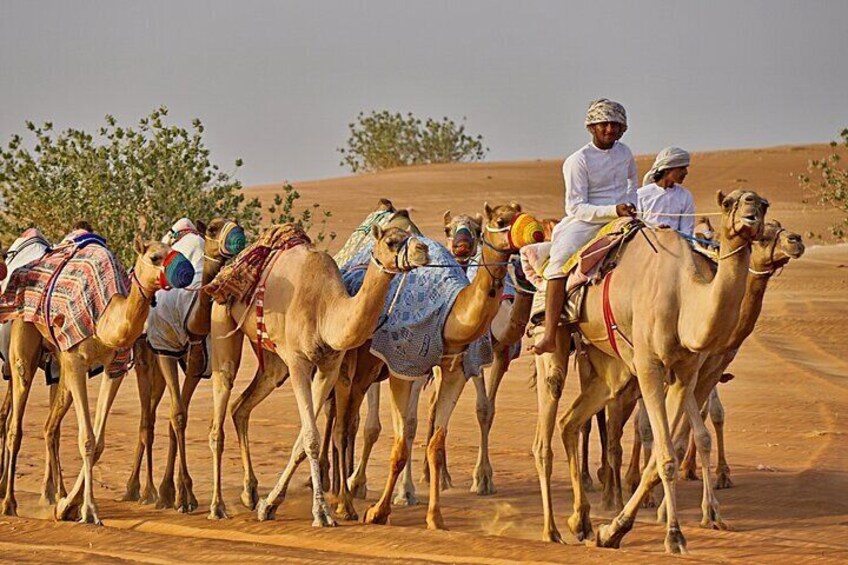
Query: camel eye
[[501, 222]]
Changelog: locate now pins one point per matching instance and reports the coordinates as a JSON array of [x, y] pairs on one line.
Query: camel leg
[[688, 467], [149, 494], [358, 482], [592, 398], [405, 495], [447, 481], [330, 472], [711, 517], [483, 482], [344, 430], [551, 371], [76, 504], [168, 368], [23, 358], [53, 483], [262, 385], [401, 391], [612, 474], [143, 382], [631, 477], [662, 463], [310, 398], [226, 356], [453, 381], [5, 417], [717, 418]]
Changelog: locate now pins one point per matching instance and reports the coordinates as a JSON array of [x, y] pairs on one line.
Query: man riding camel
[[600, 185], [663, 200]]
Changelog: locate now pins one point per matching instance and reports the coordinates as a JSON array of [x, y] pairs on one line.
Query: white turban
[[668, 158], [604, 110]]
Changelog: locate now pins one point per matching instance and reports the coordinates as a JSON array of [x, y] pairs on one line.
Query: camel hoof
[[346, 513], [67, 511], [167, 495], [712, 521], [405, 499], [250, 496], [88, 515], [435, 521], [552, 535], [723, 480], [650, 501], [323, 519], [9, 508], [217, 512], [675, 543], [149, 496], [446, 482], [133, 493], [483, 484], [265, 511], [186, 501], [605, 538], [581, 526], [374, 516]]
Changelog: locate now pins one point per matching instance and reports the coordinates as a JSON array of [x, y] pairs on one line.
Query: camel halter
[[770, 272], [463, 234], [230, 233], [402, 263]]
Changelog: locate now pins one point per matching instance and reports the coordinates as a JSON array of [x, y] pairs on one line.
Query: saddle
[[238, 279], [589, 266]]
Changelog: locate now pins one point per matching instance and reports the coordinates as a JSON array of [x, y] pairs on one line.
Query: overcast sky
[[276, 83]]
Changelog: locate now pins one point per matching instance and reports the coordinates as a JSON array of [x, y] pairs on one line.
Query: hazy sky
[[277, 82]]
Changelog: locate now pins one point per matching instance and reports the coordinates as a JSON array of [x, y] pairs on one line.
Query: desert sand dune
[[786, 421]]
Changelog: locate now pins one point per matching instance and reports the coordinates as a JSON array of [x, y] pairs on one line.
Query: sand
[[786, 425]]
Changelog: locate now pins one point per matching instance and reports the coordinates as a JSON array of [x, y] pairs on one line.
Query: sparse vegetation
[[155, 170], [382, 140], [827, 179]]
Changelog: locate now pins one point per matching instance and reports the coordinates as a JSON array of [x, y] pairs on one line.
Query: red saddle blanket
[[238, 279], [67, 291]]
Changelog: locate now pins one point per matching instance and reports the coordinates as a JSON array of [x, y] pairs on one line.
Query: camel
[[309, 322], [468, 320], [675, 312], [188, 314], [264, 382], [120, 324], [463, 233]]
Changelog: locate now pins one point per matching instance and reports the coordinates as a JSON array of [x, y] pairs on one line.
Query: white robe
[[674, 200], [596, 180]]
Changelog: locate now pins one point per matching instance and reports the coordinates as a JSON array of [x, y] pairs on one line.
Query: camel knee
[[216, 437], [400, 454], [436, 447], [484, 412], [554, 382], [179, 421], [716, 413], [668, 471], [542, 452], [372, 432], [703, 441]]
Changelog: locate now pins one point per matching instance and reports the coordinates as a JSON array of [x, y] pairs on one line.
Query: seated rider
[[600, 185], [663, 201]]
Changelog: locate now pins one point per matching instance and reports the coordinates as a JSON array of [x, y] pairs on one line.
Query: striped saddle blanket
[[67, 291]]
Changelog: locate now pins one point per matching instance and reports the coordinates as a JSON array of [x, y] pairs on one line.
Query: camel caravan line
[[660, 318]]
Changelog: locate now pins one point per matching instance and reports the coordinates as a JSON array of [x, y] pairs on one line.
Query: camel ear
[[488, 210], [386, 205], [377, 231], [720, 198], [139, 245], [142, 224], [403, 212], [201, 227], [515, 206], [447, 218]]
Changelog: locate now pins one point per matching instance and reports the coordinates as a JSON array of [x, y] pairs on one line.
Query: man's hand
[[625, 209]]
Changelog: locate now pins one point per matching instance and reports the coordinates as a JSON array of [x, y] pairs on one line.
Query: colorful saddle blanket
[[409, 337], [238, 279], [360, 236], [67, 291]]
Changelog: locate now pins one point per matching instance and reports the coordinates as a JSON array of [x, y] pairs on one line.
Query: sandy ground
[[786, 431]]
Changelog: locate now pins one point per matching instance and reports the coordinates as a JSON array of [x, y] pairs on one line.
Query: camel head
[[507, 229], [223, 239], [775, 248], [401, 219], [463, 235], [385, 205], [743, 214], [158, 267], [396, 250]]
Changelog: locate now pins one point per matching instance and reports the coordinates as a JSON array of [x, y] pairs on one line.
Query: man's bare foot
[[546, 345]]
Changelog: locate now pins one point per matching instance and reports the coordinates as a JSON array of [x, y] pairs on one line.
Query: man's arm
[[577, 194]]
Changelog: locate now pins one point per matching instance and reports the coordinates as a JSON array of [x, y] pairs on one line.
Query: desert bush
[[382, 140], [828, 181], [155, 170]]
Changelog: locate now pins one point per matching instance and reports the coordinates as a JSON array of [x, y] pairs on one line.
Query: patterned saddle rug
[[67, 291], [238, 279], [409, 336]]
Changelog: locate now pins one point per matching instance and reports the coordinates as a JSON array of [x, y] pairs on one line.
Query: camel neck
[[711, 310], [752, 306], [351, 321], [476, 305], [123, 321], [199, 319]]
